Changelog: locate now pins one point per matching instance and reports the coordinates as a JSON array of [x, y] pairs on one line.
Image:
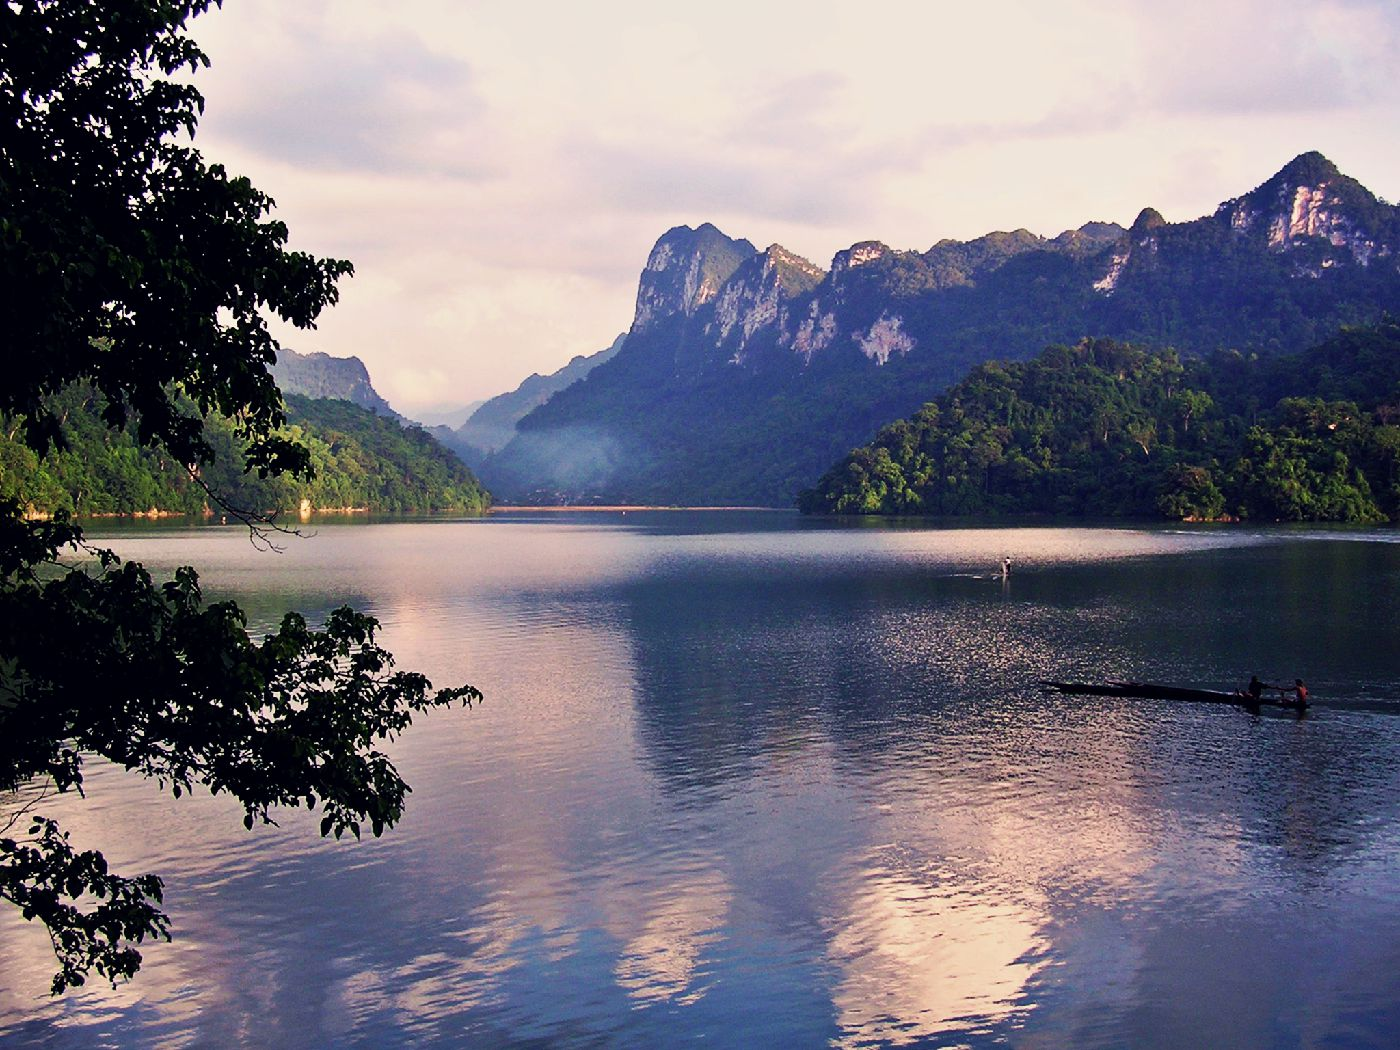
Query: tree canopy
[[1105, 428], [136, 268], [359, 460]]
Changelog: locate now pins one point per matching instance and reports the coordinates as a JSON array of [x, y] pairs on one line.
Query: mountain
[[745, 374], [448, 416], [319, 375], [492, 425]]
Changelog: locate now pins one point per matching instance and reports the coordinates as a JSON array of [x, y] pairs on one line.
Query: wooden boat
[[1154, 691]]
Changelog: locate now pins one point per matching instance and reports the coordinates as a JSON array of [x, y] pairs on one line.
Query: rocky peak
[[320, 375], [1142, 234], [1104, 231], [1306, 169], [686, 269], [1089, 238], [1148, 219], [951, 263], [753, 297], [860, 254], [1310, 200], [792, 272]]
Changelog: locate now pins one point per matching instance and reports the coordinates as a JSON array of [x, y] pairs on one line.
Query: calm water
[[746, 780]]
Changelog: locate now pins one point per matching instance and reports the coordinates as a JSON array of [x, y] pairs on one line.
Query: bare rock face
[[815, 332], [1310, 203], [320, 375], [858, 255], [757, 297], [738, 305], [1141, 237], [884, 338], [686, 270]]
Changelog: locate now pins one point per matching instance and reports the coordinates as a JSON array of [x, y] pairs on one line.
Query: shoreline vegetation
[[623, 508], [1099, 430], [363, 463], [207, 514]]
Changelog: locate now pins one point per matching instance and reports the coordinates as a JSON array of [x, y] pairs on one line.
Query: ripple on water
[[798, 784]]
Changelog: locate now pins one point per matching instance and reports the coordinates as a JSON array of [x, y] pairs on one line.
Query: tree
[[1190, 492], [133, 266]]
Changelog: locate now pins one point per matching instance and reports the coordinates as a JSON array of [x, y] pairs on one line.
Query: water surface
[[747, 779]]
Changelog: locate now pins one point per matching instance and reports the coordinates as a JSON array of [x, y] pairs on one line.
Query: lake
[[746, 779]]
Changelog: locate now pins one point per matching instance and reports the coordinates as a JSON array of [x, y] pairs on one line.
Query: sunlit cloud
[[385, 104], [1301, 58]]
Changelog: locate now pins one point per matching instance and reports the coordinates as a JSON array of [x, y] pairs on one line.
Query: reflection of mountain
[[738, 660], [728, 674], [795, 788], [925, 681]]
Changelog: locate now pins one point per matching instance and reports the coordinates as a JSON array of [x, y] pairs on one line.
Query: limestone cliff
[[319, 375], [686, 270], [746, 373]]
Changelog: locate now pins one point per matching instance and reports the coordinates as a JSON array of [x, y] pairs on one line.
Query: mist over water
[[751, 779]]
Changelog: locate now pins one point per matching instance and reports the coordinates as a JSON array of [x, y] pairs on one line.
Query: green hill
[[361, 460], [1104, 428]]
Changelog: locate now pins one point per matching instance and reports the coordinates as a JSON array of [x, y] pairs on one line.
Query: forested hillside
[[1104, 428], [361, 460]]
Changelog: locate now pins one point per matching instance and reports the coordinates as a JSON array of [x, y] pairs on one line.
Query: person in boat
[[1255, 689]]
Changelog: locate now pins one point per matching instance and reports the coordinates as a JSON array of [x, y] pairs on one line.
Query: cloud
[[1266, 57], [798, 113], [328, 100], [698, 180]]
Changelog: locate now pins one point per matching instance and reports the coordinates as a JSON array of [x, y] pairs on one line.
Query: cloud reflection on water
[[924, 954], [663, 956]]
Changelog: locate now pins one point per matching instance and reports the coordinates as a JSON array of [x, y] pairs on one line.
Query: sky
[[498, 170]]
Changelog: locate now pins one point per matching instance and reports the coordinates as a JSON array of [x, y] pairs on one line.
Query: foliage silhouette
[[136, 268]]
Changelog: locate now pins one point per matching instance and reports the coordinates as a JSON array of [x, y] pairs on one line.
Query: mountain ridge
[[318, 375], [730, 390], [492, 425]]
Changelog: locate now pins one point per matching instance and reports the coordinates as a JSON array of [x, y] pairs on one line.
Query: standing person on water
[[1005, 568]]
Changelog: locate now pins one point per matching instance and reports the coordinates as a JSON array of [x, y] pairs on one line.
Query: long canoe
[[1154, 691]]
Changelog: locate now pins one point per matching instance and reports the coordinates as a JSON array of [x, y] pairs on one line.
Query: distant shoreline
[[619, 507]]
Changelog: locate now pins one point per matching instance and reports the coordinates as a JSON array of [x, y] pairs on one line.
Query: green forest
[[1104, 428], [359, 460]]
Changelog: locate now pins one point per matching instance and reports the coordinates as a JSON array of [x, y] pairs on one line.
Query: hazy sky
[[498, 170]]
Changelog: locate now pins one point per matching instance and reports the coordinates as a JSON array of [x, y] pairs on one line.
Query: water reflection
[[755, 780], [663, 954], [920, 955]]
